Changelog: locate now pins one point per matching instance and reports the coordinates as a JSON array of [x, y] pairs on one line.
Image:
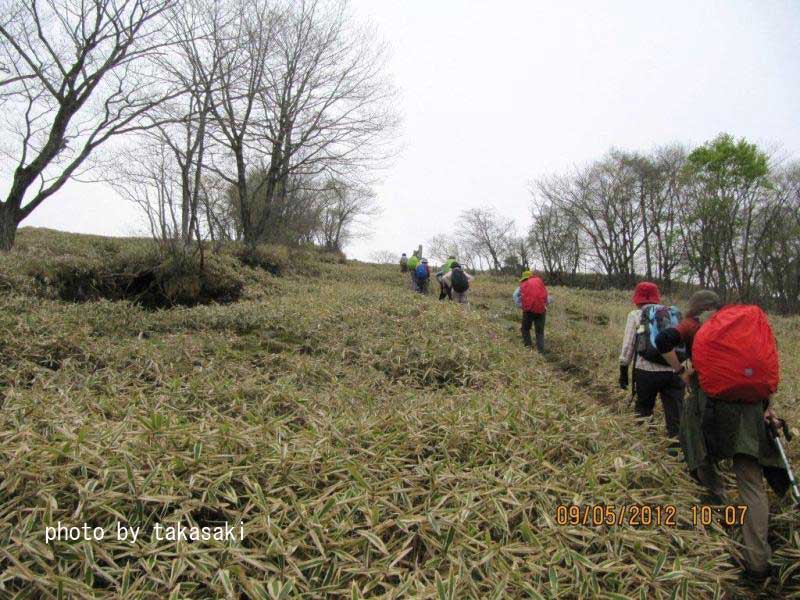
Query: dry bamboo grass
[[585, 333], [374, 443]]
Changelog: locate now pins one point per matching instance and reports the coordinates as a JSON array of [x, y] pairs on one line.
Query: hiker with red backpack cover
[[532, 297], [732, 372], [652, 376]]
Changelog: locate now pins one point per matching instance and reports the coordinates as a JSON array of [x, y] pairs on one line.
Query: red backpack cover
[[533, 295], [735, 355]]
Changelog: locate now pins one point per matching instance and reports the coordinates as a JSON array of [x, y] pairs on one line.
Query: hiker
[[403, 263], [423, 275], [457, 279], [445, 291], [412, 264], [716, 428], [531, 296], [652, 375]]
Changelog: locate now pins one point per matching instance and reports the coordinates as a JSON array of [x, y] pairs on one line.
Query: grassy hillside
[[373, 442]]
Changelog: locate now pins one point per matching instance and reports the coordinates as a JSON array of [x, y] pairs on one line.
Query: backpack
[[655, 319], [735, 355], [459, 281], [534, 295], [421, 272]]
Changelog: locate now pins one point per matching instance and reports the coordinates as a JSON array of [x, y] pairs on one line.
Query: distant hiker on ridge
[[403, 263], [423, 275], [412, 263]]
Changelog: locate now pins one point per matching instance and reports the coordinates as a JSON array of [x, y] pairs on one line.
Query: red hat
[[646, 293]]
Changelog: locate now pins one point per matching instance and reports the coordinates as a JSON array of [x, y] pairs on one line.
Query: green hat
[[526, 275]]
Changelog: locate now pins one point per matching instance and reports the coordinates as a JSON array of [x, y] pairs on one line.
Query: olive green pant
[[752, 493]]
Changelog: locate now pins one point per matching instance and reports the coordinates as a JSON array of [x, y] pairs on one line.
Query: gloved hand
[[623, 377]]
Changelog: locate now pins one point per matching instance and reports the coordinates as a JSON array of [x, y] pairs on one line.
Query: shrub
[[283, 260], [138, 274], [273, 259]]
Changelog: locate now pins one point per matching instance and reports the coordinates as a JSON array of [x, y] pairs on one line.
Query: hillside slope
[[371, 441]]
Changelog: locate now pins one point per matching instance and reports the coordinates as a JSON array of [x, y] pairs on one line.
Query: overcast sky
[[494, 94]]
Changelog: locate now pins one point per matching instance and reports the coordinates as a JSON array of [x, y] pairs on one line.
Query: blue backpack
[[422, 272], [655, 319]]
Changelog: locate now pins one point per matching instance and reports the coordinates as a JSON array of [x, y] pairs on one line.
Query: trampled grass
[[374, 443], [585, 333]]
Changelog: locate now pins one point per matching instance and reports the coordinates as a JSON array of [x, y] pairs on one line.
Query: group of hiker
[[725, 355], [531, 296], [453, 280]]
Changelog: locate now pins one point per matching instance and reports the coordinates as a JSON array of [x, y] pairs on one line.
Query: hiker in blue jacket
[[422, 276]]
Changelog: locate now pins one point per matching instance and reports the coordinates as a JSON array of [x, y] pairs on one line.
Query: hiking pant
[[413, 281], [753, 495], [460, 297], [650, 384], [528, 319], [445, 291], [422, 286]]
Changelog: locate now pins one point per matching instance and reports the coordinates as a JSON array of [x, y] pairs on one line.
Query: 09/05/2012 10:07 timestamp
[[647, 515]]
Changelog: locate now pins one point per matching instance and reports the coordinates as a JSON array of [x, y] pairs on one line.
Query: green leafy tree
[[728, 211]]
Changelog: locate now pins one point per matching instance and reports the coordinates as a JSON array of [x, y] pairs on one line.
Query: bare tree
[[486, 233], [219, 214], [601, 200], [301, 94], [662, 207], [441, 247], [384, 257], [79, 73], [180, 127], [342, 206], [519, 252], [555, 237], [242, 34], [779, 249], [325, 100], [149, 178]]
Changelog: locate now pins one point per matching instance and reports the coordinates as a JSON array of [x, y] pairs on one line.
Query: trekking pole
[[774, 432]]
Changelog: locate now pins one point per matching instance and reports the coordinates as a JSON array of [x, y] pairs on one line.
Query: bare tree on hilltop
[[487, 234], [302, 93], [76, 75], [204, 91]]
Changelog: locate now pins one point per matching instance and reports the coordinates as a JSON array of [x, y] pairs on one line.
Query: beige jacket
[[628, 352], [447, 277]]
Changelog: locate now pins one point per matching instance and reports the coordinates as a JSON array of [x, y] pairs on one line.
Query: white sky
[[494, 94]]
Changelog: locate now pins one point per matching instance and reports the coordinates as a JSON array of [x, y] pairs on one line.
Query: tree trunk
[[8, 227], [643, 208]]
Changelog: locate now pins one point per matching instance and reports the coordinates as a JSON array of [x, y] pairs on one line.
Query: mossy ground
[[373, 442]]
